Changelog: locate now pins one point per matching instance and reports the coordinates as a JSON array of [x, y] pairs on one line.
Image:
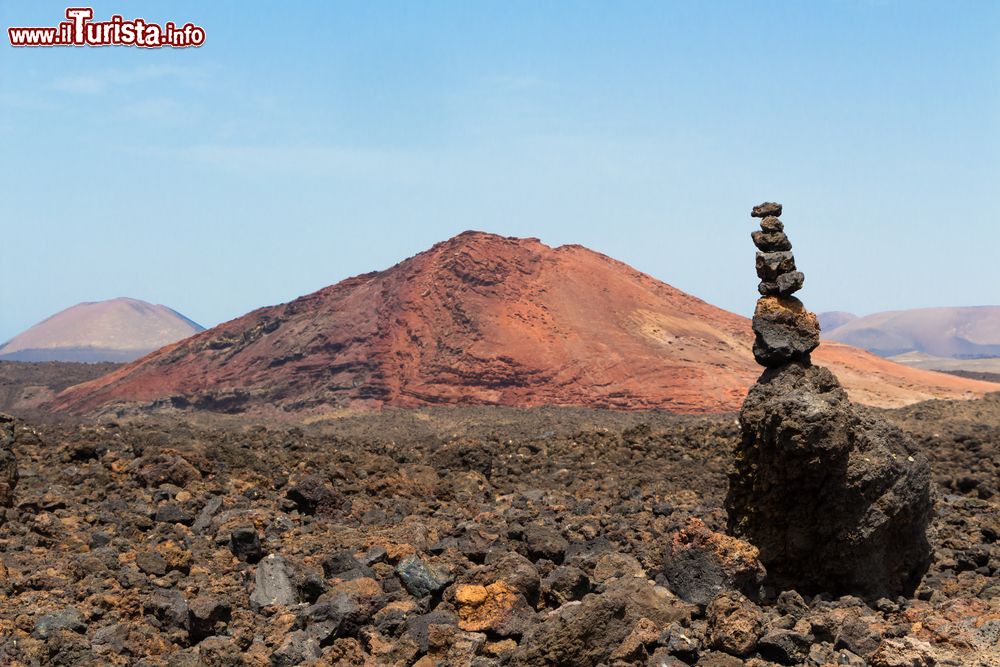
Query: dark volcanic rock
[[790, 283], [419, 578], [65, 619], [785, 331], [545, 542], [765, 210], [206, 614], [313, 495], [700, 563], [786, 647], [244, 542], [835, 500], [770, 265], [772, 224], [586, 633], [8, 465], [771, 241]]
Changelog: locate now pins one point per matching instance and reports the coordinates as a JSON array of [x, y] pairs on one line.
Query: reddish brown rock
[[497, 608], [478, 320], [699, 563]]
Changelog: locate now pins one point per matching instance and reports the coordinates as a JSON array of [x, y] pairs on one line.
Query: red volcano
[[481, 320]]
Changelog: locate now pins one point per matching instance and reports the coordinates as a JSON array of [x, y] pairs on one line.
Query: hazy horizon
[[303, 145]]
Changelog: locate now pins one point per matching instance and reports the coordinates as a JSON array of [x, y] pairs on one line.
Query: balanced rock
[[767, 209], [835, 499], [784, 331], [770, 265], [771, 241], [772, 224]]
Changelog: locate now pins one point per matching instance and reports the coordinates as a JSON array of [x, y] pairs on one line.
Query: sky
[[307, 142]]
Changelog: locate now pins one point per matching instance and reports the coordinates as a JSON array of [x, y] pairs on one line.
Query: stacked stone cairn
[[836, 499], [784, 329]]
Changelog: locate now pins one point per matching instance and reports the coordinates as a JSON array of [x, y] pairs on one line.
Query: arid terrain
[[482, 319], [453, 536], [26, 386]]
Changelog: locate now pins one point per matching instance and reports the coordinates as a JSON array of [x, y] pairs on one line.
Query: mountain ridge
[[478, 319], [952, 332]]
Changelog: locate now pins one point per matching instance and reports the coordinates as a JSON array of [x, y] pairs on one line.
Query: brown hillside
[[483, 319]]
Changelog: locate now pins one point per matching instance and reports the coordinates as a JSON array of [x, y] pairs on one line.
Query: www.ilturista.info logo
[[80, 30]]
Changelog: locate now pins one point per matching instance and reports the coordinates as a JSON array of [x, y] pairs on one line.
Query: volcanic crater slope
[[481, 319]]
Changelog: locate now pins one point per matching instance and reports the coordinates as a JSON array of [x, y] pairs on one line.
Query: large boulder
[[835, 499]]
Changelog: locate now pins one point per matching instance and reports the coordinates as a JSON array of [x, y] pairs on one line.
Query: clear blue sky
[[307, 142]]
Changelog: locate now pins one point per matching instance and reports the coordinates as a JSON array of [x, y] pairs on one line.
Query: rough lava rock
[[785, 330], [836, 500], [765, 210], [8, 464], [700, 563]]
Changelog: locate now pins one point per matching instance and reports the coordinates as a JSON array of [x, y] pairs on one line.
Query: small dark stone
[[700, 563], [418, 627], [151, 562], [343, 565], [767, 289], [168, 608], [245, 543], [790, 283], [297, 647], [419, 578], [786, 647], [545, 542], [204, 518], [205, 613], [662, 509], [312, 494], [770, 265], [171, 512], [791, 604], [765, 210], [110, 639], [64, 619], [99, 539], [678, 641], [856, 637], [772, 224], [565, 584], [771, 241]]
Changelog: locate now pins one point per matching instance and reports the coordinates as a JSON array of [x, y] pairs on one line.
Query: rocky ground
[[977, 375], [456, 537], [24, 386]]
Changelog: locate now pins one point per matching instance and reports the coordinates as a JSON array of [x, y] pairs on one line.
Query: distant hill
[[115, 330], [482, 319], [832, 320], [26, 386], [956, 333]]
